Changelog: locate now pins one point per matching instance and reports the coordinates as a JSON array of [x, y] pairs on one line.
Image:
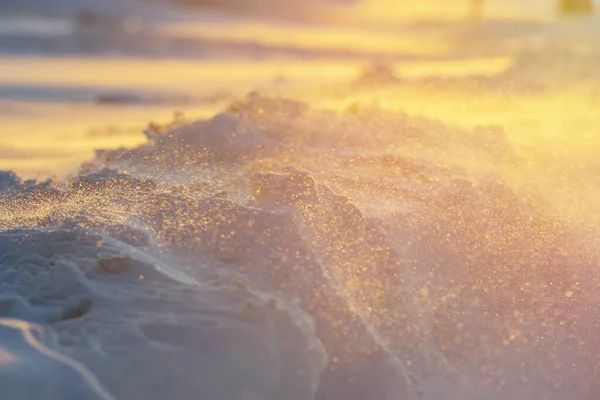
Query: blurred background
[[78, 75]]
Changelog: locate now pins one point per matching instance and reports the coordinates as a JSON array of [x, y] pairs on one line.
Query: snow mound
[[278, 251]]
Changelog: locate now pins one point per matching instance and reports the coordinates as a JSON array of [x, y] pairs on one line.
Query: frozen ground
[[314, 226]]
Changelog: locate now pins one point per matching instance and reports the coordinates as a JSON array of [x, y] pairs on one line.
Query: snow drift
[[276, 251]]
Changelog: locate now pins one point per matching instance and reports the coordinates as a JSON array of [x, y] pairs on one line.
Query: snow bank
[[276, 251]]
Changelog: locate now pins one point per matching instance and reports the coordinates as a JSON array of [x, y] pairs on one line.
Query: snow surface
[[283, 249], [212, 268]]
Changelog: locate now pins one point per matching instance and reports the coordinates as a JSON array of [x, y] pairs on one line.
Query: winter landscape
[[299, 200]]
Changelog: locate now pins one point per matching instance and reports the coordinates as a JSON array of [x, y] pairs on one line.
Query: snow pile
[[277, 251]]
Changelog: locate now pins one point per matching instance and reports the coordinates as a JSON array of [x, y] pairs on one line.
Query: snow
[[307, 229]]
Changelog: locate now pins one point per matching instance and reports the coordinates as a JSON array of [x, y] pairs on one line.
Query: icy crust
[[282, 252], [122, 313], [31, 370], [79, 278]]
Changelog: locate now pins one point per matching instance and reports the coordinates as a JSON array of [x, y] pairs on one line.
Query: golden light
[[311, 37]]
